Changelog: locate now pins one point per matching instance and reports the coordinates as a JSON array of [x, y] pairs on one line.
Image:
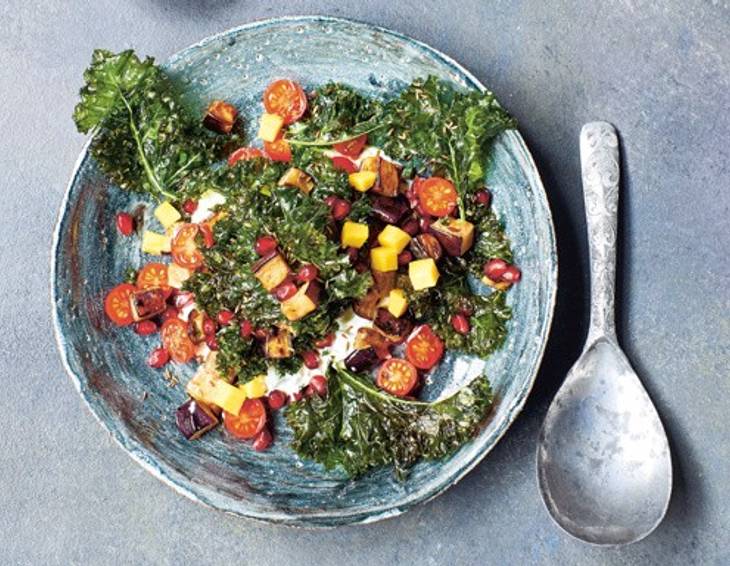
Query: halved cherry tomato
[[116, 304], [278, 150], [352, 148], [249, 421], [152, 275], [176, 341], [424, 349], [285, 98], [244, 154], [437, 196], [396, 376], [344, 164], [185, 251]]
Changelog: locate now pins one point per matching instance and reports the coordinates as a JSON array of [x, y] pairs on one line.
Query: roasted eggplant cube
[[384, 281], [194, 419], [366, 305], [294, 177], [388, 179], [196, 321], [456, 236], [372, 338], [396, 329], [147, 303], [271, 270], [304, 301], [220, 117], [389, 210], [361, 360], [426, 245], [279, 345]]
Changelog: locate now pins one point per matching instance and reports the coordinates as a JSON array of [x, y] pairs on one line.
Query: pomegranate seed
[[405, 257], [344, 164], [308, 391], [466, 309], [325, 342], [246, 329], [145, 327], [261, 333], [207, 233], [212, 342], [285, 291], [330, 200], [183, 299], [311, 359], [460, 323], [307, 272], [170, 312], [208, 326], [263, 440], [512, 274], [265, 245], [190, 206], [225, 317], [158, 357], [495, 268], [424, 224], [297, 396], [410, 226], [319, 384], [125, 223], [276, 400], [483, 197], [340, 209]]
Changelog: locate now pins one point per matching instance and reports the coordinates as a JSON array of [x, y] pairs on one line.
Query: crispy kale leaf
[[357, 427], [145, 139]]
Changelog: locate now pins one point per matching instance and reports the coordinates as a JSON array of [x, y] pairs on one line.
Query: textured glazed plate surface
[[108, 364]]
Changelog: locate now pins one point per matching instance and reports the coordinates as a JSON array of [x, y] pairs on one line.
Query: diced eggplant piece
[[426, 245], [220, 117], [456, 236], [361, 360], [384, 281], [372, 338], [279, 344], [388, 180], [147, 303], [389, 210], [271, 270], [367, 305], [294, 177], [396, 329], [196, 331], [304, 301], [194, 419]]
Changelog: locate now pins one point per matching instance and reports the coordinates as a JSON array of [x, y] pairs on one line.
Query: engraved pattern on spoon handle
[[599, 155]]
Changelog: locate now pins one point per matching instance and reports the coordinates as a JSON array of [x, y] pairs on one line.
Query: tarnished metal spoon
[[603, 461]]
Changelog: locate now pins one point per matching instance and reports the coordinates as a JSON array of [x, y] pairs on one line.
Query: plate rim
[[316, 519]]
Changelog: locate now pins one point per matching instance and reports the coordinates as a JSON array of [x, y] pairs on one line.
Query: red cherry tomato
[[437, 196], [396, 376], [145, 327], [158, 358], [125, 224], [285, 98], [352, 148], [152, 275], [424, 349], [185, 250], [244, 154], [262, 441], [265, 245], [249, 421], [319, 384], [116, 304], [311, 359], [344, 164], [278, 150], [176, 341], [460, 323], [276, 400], [307, 272]]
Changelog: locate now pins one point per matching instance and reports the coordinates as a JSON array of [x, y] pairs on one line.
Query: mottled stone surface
[[68, 494]]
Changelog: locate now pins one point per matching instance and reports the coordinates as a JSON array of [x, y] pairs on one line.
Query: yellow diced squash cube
[[208, 387], [167, 214], [270, 126], [384, 259], [362, 180], [354, 234], [227, 397], [154, 243], [397, 302], [423, 273], [177, 275], [255, 388], [393, 237]]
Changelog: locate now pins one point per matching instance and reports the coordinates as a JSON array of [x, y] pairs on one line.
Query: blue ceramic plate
[[136, 405]]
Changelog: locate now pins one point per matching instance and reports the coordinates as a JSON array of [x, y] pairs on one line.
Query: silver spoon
[[603, 461]]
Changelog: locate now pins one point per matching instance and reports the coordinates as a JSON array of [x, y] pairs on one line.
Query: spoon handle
[[600, 165]]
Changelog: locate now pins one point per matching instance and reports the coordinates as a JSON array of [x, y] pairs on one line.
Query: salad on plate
[[322, 260]]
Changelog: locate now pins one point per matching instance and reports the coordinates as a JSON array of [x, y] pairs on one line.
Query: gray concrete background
[[660, 71]]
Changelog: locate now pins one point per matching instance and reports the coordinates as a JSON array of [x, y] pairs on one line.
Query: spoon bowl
[[603, 460]]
